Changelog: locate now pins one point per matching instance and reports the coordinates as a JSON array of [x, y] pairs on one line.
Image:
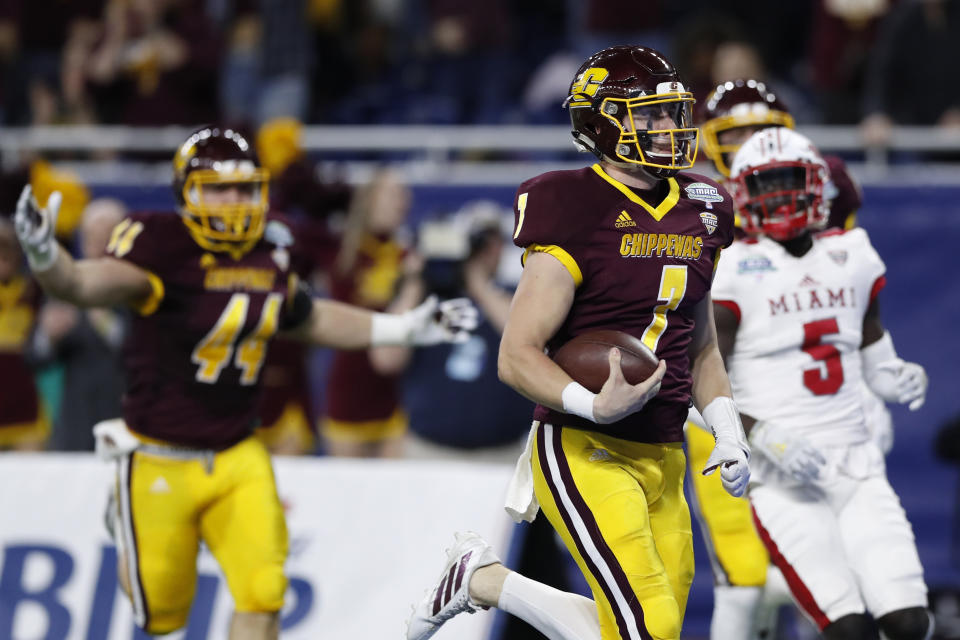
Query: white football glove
[[892, 378], [791, 453], [731, 452], [35, 226], [433, 322]]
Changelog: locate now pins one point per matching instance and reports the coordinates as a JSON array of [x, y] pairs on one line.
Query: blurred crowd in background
[[157, 62]]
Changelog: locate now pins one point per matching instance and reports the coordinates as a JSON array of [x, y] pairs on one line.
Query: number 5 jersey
[[796, 361]]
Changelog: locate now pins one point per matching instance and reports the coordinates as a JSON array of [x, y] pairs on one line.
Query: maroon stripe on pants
[[594, 532], [797, 588]]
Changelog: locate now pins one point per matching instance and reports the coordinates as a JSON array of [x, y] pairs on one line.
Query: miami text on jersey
[[825, 298]]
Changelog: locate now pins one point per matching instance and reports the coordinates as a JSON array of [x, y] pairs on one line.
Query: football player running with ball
[[799, 328], [211, 285], [628, 244]]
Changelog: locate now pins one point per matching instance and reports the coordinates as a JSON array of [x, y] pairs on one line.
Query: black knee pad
[[856, 626], [914, 623]]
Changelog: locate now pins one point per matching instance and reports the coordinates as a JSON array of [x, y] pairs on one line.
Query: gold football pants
[[168, 504], [620, 510], [737, 555]]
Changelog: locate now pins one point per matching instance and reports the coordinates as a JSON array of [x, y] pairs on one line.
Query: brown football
[[585, 358]]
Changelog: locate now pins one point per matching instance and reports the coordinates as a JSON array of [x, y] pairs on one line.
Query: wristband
[[578, 401], [724, 420], [389, 329]]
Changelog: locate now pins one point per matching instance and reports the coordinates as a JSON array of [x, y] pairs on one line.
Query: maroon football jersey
[[355, 391], [19, 300], [195, 351], [640, 267]]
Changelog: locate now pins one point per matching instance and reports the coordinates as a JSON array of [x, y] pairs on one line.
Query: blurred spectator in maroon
[[24, 424], [841, 38], [363, 413], [905, 82], [156, 63], [32, 37]]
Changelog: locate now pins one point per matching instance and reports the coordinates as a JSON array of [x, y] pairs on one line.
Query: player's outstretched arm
[[343, 326], [540, 305], [105, 282]]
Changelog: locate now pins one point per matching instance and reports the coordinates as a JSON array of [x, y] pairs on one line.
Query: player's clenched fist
[[618, 398]]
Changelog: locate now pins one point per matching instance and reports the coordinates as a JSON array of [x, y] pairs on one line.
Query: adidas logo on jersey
[[808, 281], [624, 220]]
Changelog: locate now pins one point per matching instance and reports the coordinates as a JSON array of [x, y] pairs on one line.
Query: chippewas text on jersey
[[671, 245]]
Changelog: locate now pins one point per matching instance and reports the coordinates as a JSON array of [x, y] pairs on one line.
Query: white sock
[[734, 612], [556, 614]]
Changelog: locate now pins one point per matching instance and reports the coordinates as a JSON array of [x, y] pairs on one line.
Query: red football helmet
[[777, 181], [210, 161], [629, 107], [736, 104]]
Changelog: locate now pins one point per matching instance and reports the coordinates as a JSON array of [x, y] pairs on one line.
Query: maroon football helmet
[[212, 160], [739, 104], [629, 107]]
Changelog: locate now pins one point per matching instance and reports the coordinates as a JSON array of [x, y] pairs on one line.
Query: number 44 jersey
[[197, 345], [796, 359]]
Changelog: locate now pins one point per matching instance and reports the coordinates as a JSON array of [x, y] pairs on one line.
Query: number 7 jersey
[[639, 265], [196, 347], [796, 359]]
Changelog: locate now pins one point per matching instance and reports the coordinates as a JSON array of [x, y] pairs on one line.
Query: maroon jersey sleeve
[[846, 196], [545, 219], [139, 239]]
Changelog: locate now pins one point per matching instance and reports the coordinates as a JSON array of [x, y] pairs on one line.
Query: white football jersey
[[796, 360]]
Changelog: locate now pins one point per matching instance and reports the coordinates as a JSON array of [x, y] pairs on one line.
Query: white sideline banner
[[366, 539]]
